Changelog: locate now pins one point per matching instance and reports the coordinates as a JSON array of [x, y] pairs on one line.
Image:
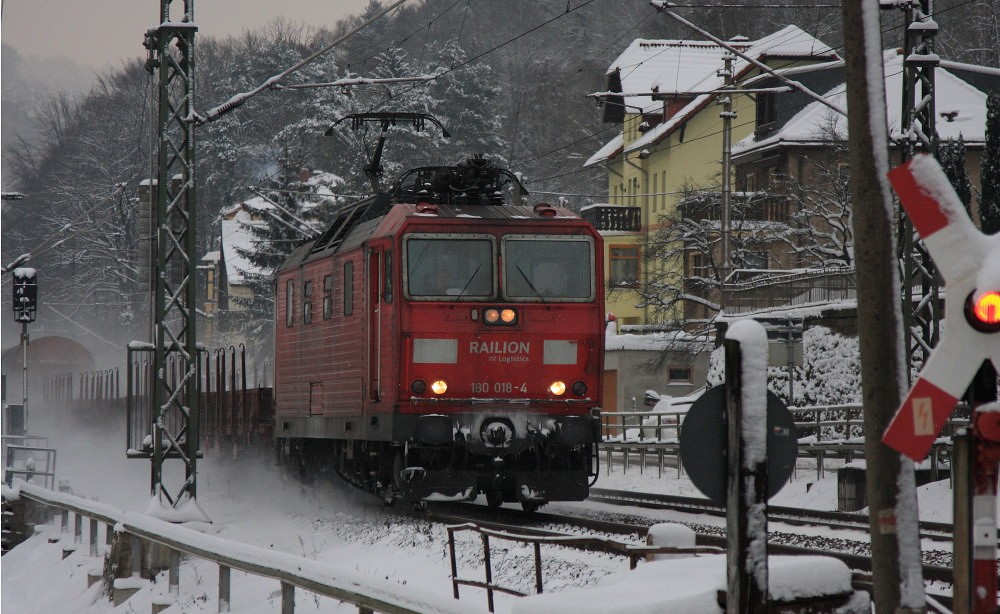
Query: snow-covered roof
[[953, 95], [610, 150], [683, 67]]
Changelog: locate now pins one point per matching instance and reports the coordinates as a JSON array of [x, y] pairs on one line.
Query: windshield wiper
[[530, 285], [473, 276]]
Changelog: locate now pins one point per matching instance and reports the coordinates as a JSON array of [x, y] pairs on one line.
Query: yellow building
[[663, 94]]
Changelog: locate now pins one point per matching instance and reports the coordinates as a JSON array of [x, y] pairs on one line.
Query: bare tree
[[684, 270]]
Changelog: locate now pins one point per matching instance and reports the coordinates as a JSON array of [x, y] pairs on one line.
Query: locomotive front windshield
[[547, 268], [456, 268]]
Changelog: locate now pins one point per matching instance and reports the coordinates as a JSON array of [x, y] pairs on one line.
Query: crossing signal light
[[983, 311]]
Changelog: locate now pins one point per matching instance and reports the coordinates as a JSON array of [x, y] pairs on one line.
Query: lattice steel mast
[[174, 396], [920, 280]]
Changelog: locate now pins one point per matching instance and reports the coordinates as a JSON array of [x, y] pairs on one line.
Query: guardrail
[[825, 431], [291, 571]]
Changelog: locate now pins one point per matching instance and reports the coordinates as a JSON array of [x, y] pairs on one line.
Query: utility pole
[[727, 116], [174, 400], [890, 482]]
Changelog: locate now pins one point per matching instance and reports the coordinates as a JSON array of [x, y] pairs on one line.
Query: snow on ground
[[250, 501]]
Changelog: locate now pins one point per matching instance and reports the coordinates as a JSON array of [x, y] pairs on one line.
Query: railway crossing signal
[[969, 261]]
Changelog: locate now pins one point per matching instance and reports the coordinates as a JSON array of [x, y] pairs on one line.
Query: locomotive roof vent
[[427, 208]]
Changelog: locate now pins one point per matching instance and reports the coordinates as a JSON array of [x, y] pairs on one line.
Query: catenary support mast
[[920, 281], [174, 399]]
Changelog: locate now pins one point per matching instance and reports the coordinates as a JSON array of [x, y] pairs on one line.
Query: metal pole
[[24, 375], [961, 468], [984, 472]]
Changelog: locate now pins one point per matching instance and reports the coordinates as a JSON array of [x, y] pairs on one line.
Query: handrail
[[606, 544], [365, 592]]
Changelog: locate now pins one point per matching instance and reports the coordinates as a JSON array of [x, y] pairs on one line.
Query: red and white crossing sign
[[969, 261]]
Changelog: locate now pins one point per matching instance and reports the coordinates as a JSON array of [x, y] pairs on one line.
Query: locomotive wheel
[[494, 498], [394, 487]]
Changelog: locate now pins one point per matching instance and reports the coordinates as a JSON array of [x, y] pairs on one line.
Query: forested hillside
[[509, 81]]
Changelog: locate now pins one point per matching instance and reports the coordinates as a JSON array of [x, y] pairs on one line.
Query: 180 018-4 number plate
[[498, 387]]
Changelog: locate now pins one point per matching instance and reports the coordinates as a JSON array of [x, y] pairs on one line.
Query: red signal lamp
[[982, 310]]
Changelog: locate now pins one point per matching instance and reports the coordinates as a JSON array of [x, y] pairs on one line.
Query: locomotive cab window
[[449, 267], [289, 312], [548, 268]]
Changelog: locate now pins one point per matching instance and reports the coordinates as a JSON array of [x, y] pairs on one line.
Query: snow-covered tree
[[989, 199], [683, 265]]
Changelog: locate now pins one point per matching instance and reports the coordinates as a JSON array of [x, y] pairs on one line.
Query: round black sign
[[703, 444]]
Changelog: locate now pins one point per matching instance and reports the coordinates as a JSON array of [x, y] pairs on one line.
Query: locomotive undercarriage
[[530, 472]]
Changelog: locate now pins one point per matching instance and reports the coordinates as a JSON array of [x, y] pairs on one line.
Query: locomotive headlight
[[579, 388], [439, 386], [558, 388], [418, 386], [502, 317]]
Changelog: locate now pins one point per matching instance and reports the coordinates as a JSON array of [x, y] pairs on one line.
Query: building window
[[348, 288], [751, 260], [679, 375], [328, 297], [699, 266], [663, 190], [624, 266], [751, 182], [289, 307], [656, 190], [767, 111]]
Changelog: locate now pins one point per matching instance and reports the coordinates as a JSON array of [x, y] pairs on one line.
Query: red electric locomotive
[[436, 343]]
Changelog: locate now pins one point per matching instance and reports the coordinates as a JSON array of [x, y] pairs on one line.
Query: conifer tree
[[989, 200], [951, 156]]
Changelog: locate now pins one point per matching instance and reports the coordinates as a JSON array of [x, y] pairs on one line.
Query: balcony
[[613, 218]]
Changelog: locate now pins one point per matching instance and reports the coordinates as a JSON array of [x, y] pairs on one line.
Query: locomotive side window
[[307, 311], [449, 267], [348, 288], [289, 311], [387, 278], [328, 297], [548, 268]]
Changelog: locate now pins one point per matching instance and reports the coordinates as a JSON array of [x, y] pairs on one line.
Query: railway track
[[937, 531], [631, 527]]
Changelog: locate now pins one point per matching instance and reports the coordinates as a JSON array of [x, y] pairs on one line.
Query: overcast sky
[[100, 33]]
